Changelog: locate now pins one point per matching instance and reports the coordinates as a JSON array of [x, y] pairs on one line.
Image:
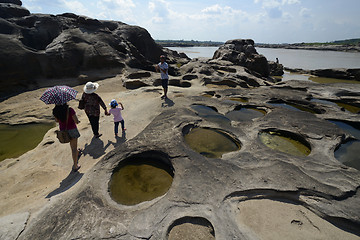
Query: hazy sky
[[265, 21]]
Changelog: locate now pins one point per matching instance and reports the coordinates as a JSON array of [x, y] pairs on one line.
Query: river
[[291, 58]]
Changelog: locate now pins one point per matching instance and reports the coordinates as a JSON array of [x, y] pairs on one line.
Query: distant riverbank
[[318, 47], [191, 43]]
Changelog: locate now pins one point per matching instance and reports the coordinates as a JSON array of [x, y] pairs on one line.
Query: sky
[[264, 21]]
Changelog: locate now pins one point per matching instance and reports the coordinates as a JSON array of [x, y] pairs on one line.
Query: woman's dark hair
[[60, 112]]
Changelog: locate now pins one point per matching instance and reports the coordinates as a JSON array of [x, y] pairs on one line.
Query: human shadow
[[67, 183], [167, 103], [95, 149], [118, 140]]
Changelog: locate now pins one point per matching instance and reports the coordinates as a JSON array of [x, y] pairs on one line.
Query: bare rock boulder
[[242, 52]]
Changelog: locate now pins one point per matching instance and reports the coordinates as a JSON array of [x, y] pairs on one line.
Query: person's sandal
[[76, 169]]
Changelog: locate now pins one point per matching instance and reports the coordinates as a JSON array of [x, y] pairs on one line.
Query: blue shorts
[[165, 83]]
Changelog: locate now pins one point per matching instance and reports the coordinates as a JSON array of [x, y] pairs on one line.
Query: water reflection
[[348, 154], [348, 127]]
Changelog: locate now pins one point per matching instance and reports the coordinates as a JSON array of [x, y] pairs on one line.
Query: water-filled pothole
[[142, 177], [322, 101], [211, 143], [239, 99], [203, 110], [210, 114], [348, 107], [245, 114], [349, 151], [286, 142], [348, 154], [17, 140], [350, 127], [295, 107], [191, 228]]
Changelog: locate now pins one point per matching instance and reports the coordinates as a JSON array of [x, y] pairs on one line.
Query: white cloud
[[290, 2], [276, 3], [305, 12], [160, 10], [76, 7], [214, 9], [121, 10]]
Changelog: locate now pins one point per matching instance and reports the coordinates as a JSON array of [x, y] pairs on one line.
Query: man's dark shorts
[[165, 83]]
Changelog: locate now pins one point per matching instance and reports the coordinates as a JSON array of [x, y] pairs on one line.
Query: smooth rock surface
[[209, 188]]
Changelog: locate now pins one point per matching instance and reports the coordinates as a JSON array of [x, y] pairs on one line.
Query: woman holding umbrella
[[65, 116]]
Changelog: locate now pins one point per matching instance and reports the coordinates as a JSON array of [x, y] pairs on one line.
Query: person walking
[[115, 110], [92, 103], [163, 68], [67, 119]]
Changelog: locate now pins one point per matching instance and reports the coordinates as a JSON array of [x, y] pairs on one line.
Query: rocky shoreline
[[244, 193], [338, 73]]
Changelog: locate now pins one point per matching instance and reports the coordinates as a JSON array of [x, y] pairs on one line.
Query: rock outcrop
[[12, 8], [339, 73], [276, 69], [42, 46], [242, 52]]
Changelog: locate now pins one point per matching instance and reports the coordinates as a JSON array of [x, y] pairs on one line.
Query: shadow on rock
[[96, 148], [67, 183], [119, 140], [168, 103]]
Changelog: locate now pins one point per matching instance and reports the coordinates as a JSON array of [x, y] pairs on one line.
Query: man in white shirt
[[163, 68]]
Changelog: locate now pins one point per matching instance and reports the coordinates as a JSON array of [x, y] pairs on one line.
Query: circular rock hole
[[239, 99], [285, 141], [245, 113], [142, 177], [211, 143], [211, 114], [348, 153], [191, 228]]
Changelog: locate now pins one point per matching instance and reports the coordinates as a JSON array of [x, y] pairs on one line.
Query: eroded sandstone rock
[[242, 52], [217, 190]]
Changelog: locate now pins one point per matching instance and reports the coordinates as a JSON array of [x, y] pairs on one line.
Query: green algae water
[[239, 99], [332, 80], [140, 180], [16, 140], [211, 143], [279, 142], [348, 107]]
